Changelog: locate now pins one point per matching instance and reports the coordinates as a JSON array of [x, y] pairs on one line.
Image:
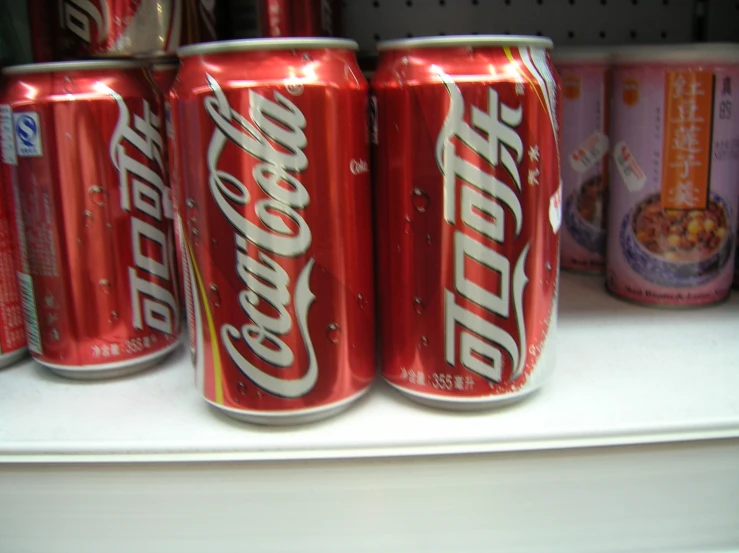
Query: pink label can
[[673, 202], [585, 145]]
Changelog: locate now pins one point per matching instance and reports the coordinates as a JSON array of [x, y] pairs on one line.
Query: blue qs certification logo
[[28, 134]]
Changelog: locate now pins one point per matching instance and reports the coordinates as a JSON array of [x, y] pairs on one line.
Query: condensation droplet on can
[[420, 200], [418, 306], [307, 57], [408, 226], [428, 238], [109, 226], [549, 266], [241, 387], [213, 242], [113, 317], [195, 237], [192, 210], [333, 333], [97, 195], [215, 295], [424, 342], [104, 286], [88, 218], [362, 301]]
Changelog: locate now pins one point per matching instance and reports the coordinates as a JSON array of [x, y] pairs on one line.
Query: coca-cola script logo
[[273, 135], [144, 196], [484, 201], [81, 17]]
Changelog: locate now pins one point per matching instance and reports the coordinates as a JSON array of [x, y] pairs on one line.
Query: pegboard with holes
[[568, 22]]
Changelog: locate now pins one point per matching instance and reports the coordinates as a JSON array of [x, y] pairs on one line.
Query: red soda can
[[12, 333], [43, 29], [467, 216], [131, 27], [315, 17], [276, 207], [164, 70], [275, 18], [96, 233]]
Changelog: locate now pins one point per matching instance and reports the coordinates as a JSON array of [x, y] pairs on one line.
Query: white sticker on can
[[632, 175], [590, 152], [555, 209], [27, 134], [7, 138]]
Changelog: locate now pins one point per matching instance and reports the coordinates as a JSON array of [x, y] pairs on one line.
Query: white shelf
[[625, 375], [112, 462]]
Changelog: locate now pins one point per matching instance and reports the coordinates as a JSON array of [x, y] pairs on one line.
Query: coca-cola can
[[316, 17], [130, 27], [95, 226], [276, 208], [43, 30], [12, 334], [468, 213], [164, 70], [282, 18], [275, 18]]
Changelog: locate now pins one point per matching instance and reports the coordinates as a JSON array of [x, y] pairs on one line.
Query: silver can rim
[[165, 65], [473, 41], [86, 65], [261, 44]]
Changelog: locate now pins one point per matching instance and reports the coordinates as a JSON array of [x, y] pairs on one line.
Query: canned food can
[[130, 27], [12, 333], [468, 213], [585, 76], [95, 225], [276, 208], [675, 156]]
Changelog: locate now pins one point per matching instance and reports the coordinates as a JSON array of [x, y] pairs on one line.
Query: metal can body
[[467, 217], [95, 231], [275, 18], [316, 18], [12, 333], [44, 30], [164, 72], [276, 208], [130, 27], [675, 156], [585, 75]]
